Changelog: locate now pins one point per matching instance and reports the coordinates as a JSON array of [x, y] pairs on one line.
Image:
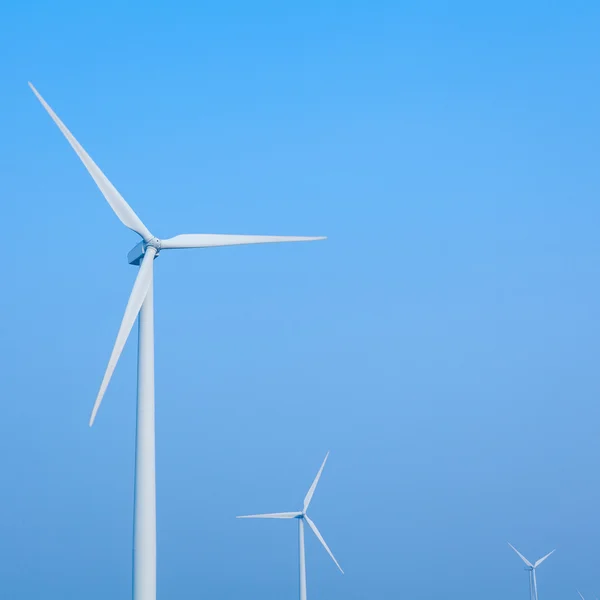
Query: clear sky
[[443, 343]]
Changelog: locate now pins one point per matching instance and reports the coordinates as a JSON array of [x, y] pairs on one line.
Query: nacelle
[[136, 254]]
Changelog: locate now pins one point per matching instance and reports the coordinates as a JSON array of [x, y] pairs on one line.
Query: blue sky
[[442, 344]]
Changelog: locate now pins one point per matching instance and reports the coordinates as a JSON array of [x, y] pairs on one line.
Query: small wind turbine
[[141, 302], [302, 516], [533, 593]]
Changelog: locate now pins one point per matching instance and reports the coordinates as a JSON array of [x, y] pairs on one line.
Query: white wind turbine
[[141, 302], [302, 516], [531, 567]]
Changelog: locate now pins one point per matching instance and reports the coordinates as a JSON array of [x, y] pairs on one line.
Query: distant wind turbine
[[141, 302], [531, 567], [302, 516]]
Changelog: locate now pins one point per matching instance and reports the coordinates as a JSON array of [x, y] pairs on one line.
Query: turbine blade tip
[[93, 416]]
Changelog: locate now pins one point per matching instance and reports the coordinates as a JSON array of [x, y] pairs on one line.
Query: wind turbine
[[302, 516], [531, 567], [141, 302]]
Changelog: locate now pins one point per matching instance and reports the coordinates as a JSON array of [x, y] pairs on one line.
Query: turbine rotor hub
[[154, 243]]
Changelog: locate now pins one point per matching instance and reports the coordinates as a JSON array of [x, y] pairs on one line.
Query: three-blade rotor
[[529, 564], [151, 246], [532, 567], [302, 515]]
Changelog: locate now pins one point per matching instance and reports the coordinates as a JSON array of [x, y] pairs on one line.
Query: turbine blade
[[116, 201], [580, 595], [134, 304], [284, 515], [209, 240], [522, 557], [541, 560], [534, 584], [313, 487], [320, 537]]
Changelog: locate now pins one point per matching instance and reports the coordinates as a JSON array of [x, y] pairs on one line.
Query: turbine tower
[[302, 517], [531, 567], [141, 302]]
